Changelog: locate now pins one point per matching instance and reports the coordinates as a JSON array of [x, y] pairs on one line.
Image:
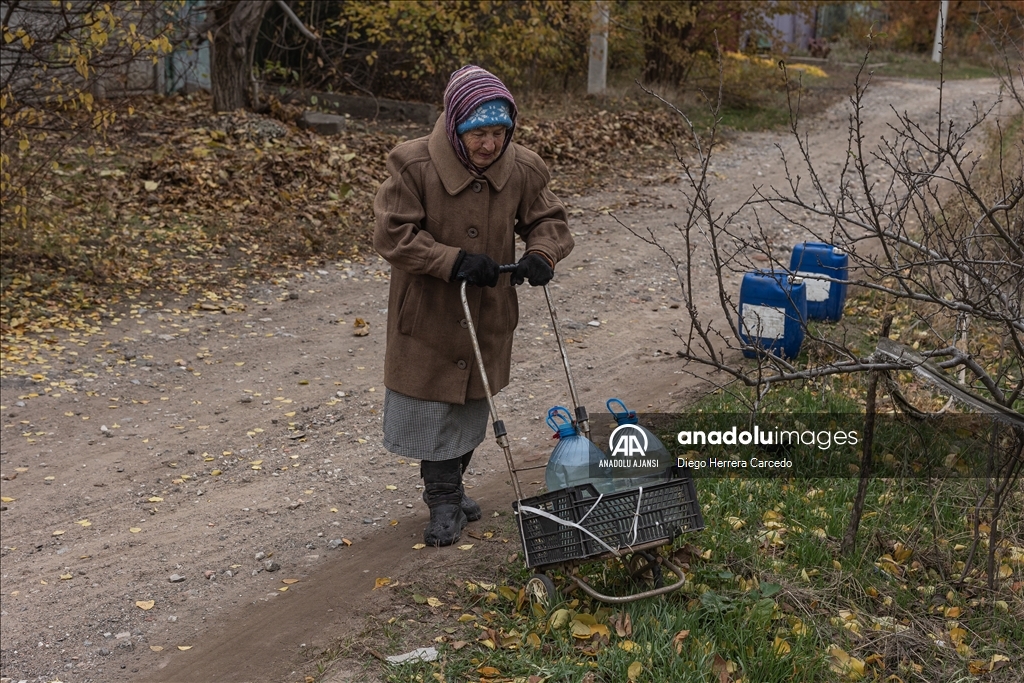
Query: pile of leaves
[[176, 200]]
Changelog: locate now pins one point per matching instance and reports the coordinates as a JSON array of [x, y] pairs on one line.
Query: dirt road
[[168, 472]]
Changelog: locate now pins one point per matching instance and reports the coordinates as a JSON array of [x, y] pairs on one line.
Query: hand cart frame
[[562, 529]]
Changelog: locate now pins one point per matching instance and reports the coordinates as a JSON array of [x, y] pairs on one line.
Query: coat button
[[464, 323], [477, 187], [461, 364], [472, 232]]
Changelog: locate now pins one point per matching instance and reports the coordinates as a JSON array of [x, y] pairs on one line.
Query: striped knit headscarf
[[468, 88]]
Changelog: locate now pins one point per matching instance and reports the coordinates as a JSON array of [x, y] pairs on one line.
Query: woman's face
[[483, 145]]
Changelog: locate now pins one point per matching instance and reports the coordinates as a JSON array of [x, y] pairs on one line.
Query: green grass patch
[[768, 596]]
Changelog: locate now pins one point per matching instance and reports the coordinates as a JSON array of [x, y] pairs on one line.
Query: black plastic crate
[[666, 511]]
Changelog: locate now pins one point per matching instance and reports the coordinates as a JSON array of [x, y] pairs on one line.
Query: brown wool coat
[[429, 208]]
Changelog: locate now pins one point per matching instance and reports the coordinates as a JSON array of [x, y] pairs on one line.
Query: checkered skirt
[[432, 430]]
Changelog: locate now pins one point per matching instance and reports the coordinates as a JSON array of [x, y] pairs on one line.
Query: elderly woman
[[450, 211]]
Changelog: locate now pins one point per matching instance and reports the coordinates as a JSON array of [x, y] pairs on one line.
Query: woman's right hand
[[476, 269]]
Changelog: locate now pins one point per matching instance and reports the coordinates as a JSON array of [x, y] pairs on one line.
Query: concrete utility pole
[[940, 31], [598, 76]]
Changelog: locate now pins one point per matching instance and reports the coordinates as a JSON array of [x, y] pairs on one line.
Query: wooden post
[[598, 76], [940, 31]]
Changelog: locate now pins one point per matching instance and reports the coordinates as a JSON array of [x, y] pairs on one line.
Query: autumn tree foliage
[[58, 63], [407, 49], [909, 25]]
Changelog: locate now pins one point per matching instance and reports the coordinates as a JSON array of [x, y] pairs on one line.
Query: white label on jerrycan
[[764, 322], [817, 289]]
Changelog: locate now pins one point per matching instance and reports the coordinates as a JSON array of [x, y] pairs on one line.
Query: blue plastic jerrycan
[[575, 459], [773, 312], [637, 456], [810, 260]]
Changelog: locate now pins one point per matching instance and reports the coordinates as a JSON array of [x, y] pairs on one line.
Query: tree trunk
[[235, 29]]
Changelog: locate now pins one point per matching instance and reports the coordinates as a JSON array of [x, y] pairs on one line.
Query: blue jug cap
[[560, 420], [624, 416]]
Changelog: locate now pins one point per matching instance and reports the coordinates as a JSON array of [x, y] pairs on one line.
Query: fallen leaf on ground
[[381, 582], [145, 604], [156, 648], [184, 647]]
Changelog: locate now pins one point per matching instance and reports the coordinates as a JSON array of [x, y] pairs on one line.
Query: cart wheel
[[644, 567], [541, 591]]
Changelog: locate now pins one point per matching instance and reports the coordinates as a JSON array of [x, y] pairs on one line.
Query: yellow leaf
[[156, 648], [59, 532], [558, 619], [145, 605], [156, 499], [781, 646], [580, 630], [634, 671], [434, 602], [953, 612], [466, 617], [627, 645], [283, 588], [391, 487], [466, 547], [843, 663], [600, 630], [289, 581], [5, 499], [65, 577], [677, 640], [488, 671], [84, 522], [184, 647], [419, 546], [381, 582], [533, 640], [135, 529]]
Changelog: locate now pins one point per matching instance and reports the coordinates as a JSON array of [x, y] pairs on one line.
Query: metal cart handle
[[500, 435]]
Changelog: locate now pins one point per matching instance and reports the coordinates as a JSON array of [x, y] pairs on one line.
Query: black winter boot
[[442, 492], [469, 506]]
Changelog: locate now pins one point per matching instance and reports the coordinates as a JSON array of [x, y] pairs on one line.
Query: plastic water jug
[[638, 456], [575, 460], [773, 311], [825, 299]]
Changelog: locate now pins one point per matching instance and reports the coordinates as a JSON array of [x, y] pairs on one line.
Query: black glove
[[476, 269], [535, 268]]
